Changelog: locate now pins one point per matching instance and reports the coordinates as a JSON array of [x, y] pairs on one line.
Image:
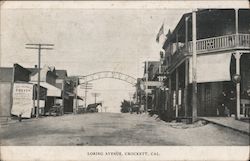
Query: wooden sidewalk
[[229, 122]]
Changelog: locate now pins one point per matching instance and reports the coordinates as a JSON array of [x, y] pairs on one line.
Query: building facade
[[223, 50], [67, 87], [10, 78]]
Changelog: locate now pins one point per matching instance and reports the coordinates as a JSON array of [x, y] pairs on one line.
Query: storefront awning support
[[237, 56], [186, 68], [194, 69]]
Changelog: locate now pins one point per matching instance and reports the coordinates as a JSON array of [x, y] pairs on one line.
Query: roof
[[6, 74], [33, 71], [206, 18], [51, 90], [21, 73], [62, 74]]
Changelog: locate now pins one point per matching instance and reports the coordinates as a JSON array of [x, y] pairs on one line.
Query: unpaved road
[[114, 129]]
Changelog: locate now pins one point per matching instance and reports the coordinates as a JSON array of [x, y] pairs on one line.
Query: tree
[[126, 106]]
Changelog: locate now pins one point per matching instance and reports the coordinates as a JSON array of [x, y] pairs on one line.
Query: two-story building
[[223, 53], [149, 83], [17, 95], [48, 78], [67, 86]]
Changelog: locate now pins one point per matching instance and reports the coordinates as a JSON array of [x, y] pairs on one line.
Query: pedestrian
[[246, 99], [232, 102], [130, 110], [227, 112], [222, 104], [244, 95], [20, 117]]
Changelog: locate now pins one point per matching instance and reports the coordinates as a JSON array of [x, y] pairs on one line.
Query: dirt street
[[115, 129]]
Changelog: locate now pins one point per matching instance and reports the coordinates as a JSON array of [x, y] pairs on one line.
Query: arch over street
[[108, 74]]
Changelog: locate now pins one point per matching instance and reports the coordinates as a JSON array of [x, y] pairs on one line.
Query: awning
[[66, 94], [69, 94], [212, 68], [51, 90]]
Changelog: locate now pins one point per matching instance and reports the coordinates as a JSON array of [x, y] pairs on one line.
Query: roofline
[[182, 21]]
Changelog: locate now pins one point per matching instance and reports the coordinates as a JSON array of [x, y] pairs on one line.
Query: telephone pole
[[95, 95], [86, 86], [39, 47]]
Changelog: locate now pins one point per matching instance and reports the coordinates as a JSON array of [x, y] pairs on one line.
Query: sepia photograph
[[117, 80]]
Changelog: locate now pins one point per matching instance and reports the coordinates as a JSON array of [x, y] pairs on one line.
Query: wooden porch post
[[237, 25], [237, 56], [194, 68], [177, 91], [186, 69], [177, 41], [170, 93], [63, 94]]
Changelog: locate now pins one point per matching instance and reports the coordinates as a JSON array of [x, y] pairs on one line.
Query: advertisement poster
[[22, 99]]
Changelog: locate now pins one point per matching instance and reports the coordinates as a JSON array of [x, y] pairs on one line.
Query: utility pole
[[95, 95], [194, 69], [86, 87], [39, 47]]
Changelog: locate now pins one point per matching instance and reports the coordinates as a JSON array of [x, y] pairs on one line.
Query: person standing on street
[[20, 117], [222, 104], [232, 102]]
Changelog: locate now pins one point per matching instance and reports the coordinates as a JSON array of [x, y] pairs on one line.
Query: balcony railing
[[221, 43]]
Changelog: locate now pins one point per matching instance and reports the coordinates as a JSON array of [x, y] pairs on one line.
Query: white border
[[59, 153]]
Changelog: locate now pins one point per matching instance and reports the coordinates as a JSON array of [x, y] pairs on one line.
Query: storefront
[[54, 95]]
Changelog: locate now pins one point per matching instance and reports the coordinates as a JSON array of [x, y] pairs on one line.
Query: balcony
[[221, 43], [214, 44]]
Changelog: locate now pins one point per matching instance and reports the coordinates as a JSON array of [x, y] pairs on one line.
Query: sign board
[[22, 99], [153, 83], [211, 68]]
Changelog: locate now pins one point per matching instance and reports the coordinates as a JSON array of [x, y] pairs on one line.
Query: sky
[[87, 40]]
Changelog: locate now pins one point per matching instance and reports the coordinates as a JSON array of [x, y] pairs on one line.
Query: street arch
[[108, 74]]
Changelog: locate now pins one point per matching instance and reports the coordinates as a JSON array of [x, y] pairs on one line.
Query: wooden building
[[9, 76], [222, 47], [48, 78], [67, 87]]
